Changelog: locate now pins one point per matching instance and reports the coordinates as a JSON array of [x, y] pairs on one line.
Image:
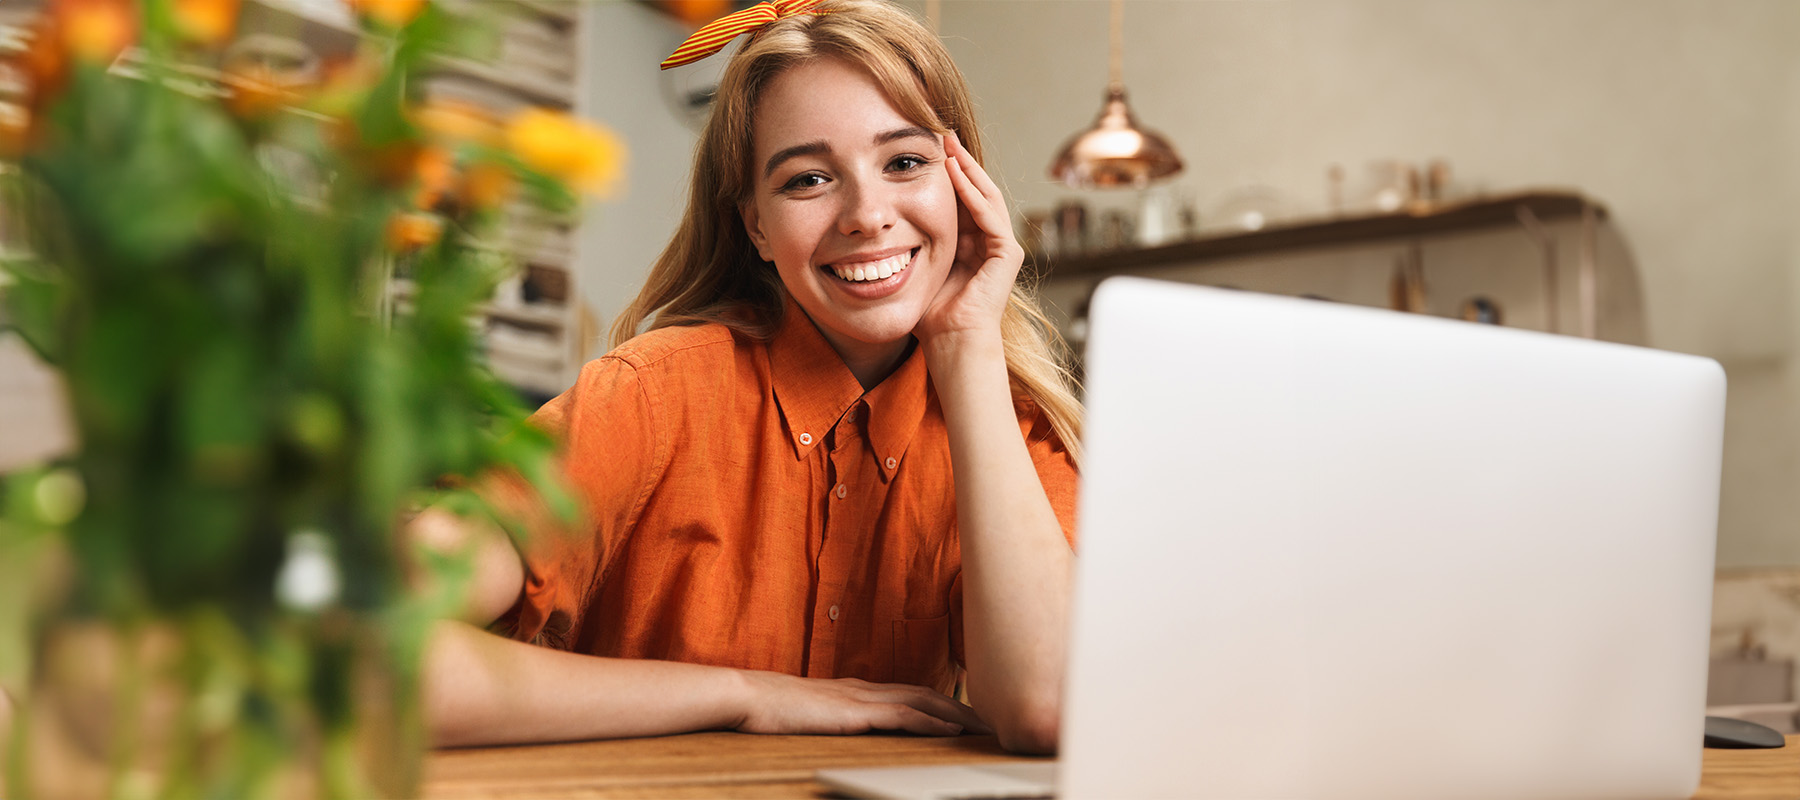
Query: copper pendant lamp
[[1116, 151]]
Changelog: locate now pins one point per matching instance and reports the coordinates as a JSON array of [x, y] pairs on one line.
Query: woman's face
[[853, 203]]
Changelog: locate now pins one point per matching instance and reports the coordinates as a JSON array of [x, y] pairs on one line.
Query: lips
[[871, 270]]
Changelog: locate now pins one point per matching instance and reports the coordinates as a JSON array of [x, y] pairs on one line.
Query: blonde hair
[[710, 272]]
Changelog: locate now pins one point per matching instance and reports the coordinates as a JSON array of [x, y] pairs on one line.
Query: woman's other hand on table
[[778, 703]]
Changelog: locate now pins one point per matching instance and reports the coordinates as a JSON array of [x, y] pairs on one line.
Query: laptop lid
[[1334, 551]]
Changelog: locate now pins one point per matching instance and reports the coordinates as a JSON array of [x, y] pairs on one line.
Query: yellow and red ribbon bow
[[716, 34]]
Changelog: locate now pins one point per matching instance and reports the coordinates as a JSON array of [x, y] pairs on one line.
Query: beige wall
[[625, 90], [1682, 117]]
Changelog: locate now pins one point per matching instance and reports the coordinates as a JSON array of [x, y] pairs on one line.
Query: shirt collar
[[813, 389]]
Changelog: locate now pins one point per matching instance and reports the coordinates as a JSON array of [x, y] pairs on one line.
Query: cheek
[[940, 202], [939, 218], [793, 234]]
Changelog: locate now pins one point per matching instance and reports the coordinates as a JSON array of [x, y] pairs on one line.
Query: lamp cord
[[1118, 43]]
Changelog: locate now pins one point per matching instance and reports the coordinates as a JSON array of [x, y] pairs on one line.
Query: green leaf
[[224, 412], [33, 306], [114, 368]]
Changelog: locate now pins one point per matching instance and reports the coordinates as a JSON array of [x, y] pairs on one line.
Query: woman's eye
[[804, 181], [906, 163]]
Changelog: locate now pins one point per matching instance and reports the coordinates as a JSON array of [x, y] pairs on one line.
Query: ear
[[753, 227]]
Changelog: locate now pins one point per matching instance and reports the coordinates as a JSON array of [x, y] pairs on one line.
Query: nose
[[868, 208]]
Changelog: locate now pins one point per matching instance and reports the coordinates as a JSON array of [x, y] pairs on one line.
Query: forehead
[[825, 100]]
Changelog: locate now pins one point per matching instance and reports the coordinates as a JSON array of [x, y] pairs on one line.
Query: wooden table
[[736, 765]]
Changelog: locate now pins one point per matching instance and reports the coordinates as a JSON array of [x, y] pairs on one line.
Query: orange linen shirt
[[750, 506]]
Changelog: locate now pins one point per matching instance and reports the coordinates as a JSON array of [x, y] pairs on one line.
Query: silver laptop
[[1335, 552]]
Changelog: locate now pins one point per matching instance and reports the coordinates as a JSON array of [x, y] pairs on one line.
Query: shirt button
[[832, 613], [892, 462], [806, 438], [841, 491]]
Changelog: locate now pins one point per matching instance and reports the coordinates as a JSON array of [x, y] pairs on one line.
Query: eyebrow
[[816, 148]]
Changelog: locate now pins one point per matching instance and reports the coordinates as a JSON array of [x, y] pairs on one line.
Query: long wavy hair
[[710, 272]]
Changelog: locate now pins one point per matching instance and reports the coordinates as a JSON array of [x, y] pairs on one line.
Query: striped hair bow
[[718, 33]]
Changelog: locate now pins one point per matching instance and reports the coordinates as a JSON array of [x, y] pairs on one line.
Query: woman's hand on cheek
[[987, 259], [779, 703]]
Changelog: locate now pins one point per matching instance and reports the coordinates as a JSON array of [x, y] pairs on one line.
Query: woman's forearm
[[485, 689], [1016, 563]]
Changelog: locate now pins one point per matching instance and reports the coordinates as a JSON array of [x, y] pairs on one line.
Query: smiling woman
[[836, 475], [855, 209]]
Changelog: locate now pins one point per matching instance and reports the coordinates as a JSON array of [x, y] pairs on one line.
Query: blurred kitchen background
[[1626, 168]]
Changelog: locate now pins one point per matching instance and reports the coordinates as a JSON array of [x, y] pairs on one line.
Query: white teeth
[[874, 271]]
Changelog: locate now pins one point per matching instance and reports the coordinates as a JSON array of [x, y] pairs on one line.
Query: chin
[[875, 326]]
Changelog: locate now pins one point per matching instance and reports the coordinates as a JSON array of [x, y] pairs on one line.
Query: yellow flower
[[456, 121], [95, 31], [580, 154], [391, 13], [208, 22]]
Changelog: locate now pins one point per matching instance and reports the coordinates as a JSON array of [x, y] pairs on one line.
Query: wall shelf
[[1528, 211], [1486, 212], [533, 88]]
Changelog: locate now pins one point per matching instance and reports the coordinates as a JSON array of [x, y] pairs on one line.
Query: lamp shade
[[1116, 151]]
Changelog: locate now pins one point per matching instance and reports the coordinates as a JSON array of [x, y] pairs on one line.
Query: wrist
[[963, 346], [740, 697]]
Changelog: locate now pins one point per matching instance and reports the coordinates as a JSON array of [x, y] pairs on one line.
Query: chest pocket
[[922, 653]]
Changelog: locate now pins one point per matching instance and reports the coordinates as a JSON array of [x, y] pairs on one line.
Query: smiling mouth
[[869, 271]]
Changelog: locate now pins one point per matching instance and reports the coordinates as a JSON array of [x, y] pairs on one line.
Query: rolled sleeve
[[609, 451]]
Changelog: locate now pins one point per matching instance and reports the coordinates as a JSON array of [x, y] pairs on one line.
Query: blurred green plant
[[212, 250]]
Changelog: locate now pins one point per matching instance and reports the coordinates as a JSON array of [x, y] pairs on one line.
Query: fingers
[[981, 200], [902, 717], [790, 704], [954, 146], [937, 705], [981, 209], [948, 709]]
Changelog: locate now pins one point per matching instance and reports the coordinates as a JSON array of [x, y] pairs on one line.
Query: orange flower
[[208, 22], [583, 155], [697, 12], [253, 93], [46, 65], [95, 31], [487, 186], [391, 166], [347, 81], [391, 13], [436, 172], [408, 231]]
